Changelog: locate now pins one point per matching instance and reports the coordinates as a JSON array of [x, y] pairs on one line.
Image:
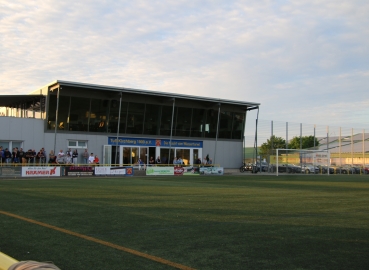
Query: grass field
[[222, 222]]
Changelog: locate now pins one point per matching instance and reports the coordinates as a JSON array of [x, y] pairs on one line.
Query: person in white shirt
[[61, 153], [91, 158], [68, 159]]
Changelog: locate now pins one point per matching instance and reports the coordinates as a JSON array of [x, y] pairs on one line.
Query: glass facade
[[90, 114]]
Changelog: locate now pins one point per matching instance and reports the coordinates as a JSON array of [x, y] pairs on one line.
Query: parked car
[[285, 168], [359, 169], [366, 169], [309, 168], [264, 166], [246, 167], [347, 170]]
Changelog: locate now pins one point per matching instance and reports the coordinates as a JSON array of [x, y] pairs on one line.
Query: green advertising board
[[159, 171]]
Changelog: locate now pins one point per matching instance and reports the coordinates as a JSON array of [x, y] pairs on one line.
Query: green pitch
[[221, 222]]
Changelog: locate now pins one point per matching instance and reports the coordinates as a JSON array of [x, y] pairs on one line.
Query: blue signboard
[[154, 142]]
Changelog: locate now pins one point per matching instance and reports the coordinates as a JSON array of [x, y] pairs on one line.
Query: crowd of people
[[31, 157], [176, 161]]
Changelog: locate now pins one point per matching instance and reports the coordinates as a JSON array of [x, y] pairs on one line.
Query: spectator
[[15, 155], [210, 162], [96, 160], [60, 159], [68, 159], [41, 157], [61, 153], [140, 164], [91, 159], [85, 156], [22, 156], [75, 156], [7, 156], [175, 161], [52, 157], [205, 162], [158, 160], [2, 157], [151, 161]]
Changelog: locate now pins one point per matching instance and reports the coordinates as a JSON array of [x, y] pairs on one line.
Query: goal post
[[300, 161]]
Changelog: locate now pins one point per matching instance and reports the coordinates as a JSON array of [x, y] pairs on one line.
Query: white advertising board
[[40, 171]]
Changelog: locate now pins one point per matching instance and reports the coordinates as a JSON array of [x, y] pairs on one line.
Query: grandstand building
[[122, 125]]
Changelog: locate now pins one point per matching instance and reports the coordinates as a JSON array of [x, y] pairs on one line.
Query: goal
[[300, 161]]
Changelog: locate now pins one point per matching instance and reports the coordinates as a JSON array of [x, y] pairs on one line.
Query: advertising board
[[126, 171], [79, 171], [160, 171], [40, 171], [212, 170]]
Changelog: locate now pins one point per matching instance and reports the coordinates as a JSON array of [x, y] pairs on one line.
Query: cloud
[[294, 57]]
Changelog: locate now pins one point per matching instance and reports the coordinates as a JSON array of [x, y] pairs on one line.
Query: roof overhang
[[59, 83], [14, 101]]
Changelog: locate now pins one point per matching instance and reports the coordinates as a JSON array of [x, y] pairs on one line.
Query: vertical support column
[[287, 141], [363, 148], [56, 117], [352, 146], [256, 139], [244, 139], [327, 138], [171, 131], [216, 136], [271, 139], [300, 135], [339, 147], [116, 145]]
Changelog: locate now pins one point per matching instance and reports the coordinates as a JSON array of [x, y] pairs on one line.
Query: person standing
[[158, 160], [22, 156], [91, 159], [85, 156], [8, 156], [68, 159], [1, 155], [96, 160], [75, 156], [15, 155], [151, 161], [41, 157]]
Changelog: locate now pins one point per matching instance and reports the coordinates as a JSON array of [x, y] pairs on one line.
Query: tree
[[307, 142], [271, 144]]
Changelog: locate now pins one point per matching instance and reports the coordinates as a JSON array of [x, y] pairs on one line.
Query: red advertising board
[[178, 171]]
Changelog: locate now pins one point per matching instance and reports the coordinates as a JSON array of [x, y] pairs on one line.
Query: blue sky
[[304, 61]]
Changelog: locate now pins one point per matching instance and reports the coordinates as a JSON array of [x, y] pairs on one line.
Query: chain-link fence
[[347, 147]]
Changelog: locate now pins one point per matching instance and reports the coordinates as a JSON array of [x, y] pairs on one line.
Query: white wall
[[31, 132]]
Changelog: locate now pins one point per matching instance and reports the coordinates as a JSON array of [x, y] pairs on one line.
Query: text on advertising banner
[[40, 171], [159, 171], [79, 171]]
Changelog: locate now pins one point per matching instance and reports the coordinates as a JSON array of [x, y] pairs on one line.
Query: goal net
[[300, 161]]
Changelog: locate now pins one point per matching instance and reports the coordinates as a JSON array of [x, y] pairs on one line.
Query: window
[[77, 144]]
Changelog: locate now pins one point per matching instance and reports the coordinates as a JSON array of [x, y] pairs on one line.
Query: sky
[[303, 61]]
